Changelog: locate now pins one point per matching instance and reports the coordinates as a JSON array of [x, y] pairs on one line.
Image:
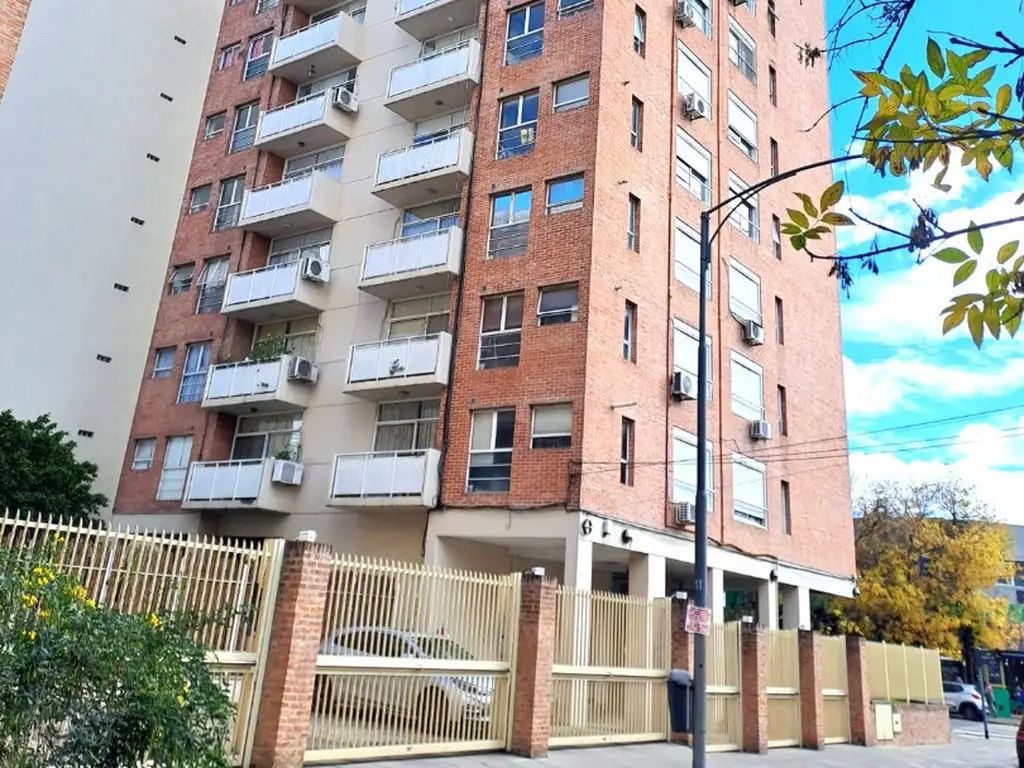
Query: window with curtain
[[490, 451], [552, 426], [691, 74], [230, 203], [244, 132], [749, 491], [212, 282], [171, 485], [685, 349], [273, 436], [285, 250], [742, 127], [425, 316], [693, 166], [684, 469], [193, 374], [747, 388], [406, 426], [744, 293], [686, 256], [345, 79], [258, 57], [142, 458], [329, 161]]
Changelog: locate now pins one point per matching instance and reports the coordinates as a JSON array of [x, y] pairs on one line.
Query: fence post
[[682, 653], [283, 724], [906, 674], [885, 659], [924, 674], [858, 693], [812, 702], [531, 718], [753, 688]]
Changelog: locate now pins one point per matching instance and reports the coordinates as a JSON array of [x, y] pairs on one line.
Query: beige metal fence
[[234, 582], [901, 673], [834, 682], [413, 661], [611, 661], [783, 688], [725, 723]]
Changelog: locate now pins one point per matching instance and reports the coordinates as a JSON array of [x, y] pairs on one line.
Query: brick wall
[[12, 23], [922, 724], [753, 694], [531, 719]]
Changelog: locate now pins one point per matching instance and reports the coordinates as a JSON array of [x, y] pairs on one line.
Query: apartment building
[[99, 104], [435, 274]]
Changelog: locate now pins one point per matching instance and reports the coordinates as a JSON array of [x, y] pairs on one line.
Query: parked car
[[1020, 744], [964, 700]]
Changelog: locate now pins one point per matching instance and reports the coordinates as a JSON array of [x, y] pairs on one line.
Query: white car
[[964, 700]]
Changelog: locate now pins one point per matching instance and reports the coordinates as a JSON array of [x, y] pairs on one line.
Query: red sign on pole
[[698, 620]]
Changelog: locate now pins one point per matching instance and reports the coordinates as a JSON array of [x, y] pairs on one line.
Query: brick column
[[283, 724], [812, 703], [753, 688], [682, 653], [531, 720], [862, 719]]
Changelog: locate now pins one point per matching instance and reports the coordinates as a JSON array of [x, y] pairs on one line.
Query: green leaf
[[1007, 251], [837, 219], [974, 238], [1012, 323], [798, 218], [974, 325], [964, 271], [789, 228], [993, 281], [957, 66], [832, 195], [953, 319], [935, 62], [798, 242], [950, 256], [1003, 96], [809, 208], [991, 317]]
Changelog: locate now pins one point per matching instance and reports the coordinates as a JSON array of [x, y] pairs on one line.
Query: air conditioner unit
[[760, 430], [302, 369], [753, 333], [316, 270], [345, 100], [694, 107], [683, 387], [287, 472], [684, 512], [685, 14]]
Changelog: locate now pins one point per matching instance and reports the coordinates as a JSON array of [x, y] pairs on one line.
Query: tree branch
[[828, 112]]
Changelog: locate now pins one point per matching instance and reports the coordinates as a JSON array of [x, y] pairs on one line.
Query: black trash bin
[[680, 700]]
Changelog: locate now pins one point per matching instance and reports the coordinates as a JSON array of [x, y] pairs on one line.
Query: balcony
[[259, 387], [437, 83], [305, 125], [421, 265], [318, 50], [425, 19], [407, 479], [277, 292], [294, 205], [384, 370], [313, 6], [247, 484], [424, 172]]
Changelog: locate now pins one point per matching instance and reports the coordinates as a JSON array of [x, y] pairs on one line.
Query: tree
[[39, 473], [926, 555]]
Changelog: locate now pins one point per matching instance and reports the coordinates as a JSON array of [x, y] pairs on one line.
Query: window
[[777, 237], [742, 51], [744, 293], [193, 375], [327, 161], [501, 331], [565, 194], [773, 21], [199, 198], [356, 9], [212, 281], [692, 76], [244, 132], [406, 426], [490, 451], [258, 58], [684, 469], [742, 127], [557, 305], [639, 30], [783, 417], [780, 334], [142, 459], [687, 257], [626, 462], [286, 250], [345, 79], [747, 388], [552, 426], [180, 280], [787, 524], [424, 316], [510, 224], [636, 125], [629, 332], [749, 493], [572, 93], [773, 86], [265, 5], [163, 362], [686, 353], [172, 478], [633, 224], [524, 37], [429, 219], [214, 125], [287, 337], [700, 12], [230, 203], [744, 215], [517, 131], [693, 167], [773, 157], [229, 56], [571, 7]]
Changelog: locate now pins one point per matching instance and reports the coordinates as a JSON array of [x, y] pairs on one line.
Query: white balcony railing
[[307, 111], [306, 40], [243, 379], [225, 480], [407, 254], [262, 284], [379, 474], [417, 159], [432, 68], [408, 6], [282, 196], [393, 359]]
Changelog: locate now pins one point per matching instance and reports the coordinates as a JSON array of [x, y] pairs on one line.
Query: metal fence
[[834, 689], [783, 688], [724, 715], [903, 674]]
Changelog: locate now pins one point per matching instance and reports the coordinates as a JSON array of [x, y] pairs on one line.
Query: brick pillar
[[283, 724], [753, 688], [812, 703], [531, 720], [862, 719], [682, 653]]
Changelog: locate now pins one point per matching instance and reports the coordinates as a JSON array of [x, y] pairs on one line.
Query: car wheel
[[432, 710]]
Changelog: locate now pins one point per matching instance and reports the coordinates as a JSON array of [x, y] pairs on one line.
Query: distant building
[[1013, 589]]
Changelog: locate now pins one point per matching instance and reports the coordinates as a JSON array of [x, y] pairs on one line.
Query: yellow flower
[[30, 634], [44, 614], [37, 571], [79, 593], [90, 603], [181, 702], [28, 600], [154, 621]]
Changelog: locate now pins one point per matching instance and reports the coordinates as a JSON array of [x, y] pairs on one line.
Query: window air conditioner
[[302, 369], [760, 430], [753, 333], [345, 100], [684, 512], [315, 270], [683, 387], [287, 472], [694, 107], [685, 14]]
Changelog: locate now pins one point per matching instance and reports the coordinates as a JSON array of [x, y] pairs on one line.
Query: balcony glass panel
[[407, 254], [305, 111], [432, 68], [383, 474], [393, 359], [244, 379], [225, 480], [306, 40], [417, 159], [282, 196], [262, 284]]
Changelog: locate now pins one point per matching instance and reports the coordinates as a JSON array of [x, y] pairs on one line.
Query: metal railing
[[500, 349], [394, 359], [408, 6], [278, 197], [309, 110], [261, 284], [304, 41], [380, 474], [901, 673], [225, 480], [430, 69], [418, 159], [748, 70], [408, 254], [244, 379]]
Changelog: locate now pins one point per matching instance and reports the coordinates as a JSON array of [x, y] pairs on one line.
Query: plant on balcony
[[268, 349], [287, 454]]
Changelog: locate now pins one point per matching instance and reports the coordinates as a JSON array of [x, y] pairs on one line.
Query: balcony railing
[[408, 254], [418, 159], [403, 477], [408, 6], [394, 359], [244, 379], [430, 69], [307, 111], [226, 481], [306, 40], [262, 284], [290, 193]]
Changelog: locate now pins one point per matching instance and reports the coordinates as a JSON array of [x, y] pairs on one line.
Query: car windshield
[[442, 648]]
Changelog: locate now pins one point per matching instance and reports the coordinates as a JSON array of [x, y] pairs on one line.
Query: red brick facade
[[862, 716], [531, 720], [812, 705], [12, 23], [753, 682]]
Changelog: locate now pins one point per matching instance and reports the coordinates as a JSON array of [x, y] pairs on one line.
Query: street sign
[[698, 620]]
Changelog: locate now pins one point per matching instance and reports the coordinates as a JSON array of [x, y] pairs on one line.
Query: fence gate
[[611, 661], [783, 688], [413, 661], [724, 713], [834, 689]]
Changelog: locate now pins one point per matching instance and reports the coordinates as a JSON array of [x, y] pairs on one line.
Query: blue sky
[[899, 369]]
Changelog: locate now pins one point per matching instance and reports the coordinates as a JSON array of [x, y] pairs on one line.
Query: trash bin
[[680, 700]]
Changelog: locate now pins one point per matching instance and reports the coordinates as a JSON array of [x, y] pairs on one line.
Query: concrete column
[[531, 720], [768, 604], [646, 575], [753, 688], [796, 607], [862, 718], [579, 563], [716, 594], [812, 703]]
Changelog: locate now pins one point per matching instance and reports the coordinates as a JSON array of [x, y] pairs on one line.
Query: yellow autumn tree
[[927, 554]]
